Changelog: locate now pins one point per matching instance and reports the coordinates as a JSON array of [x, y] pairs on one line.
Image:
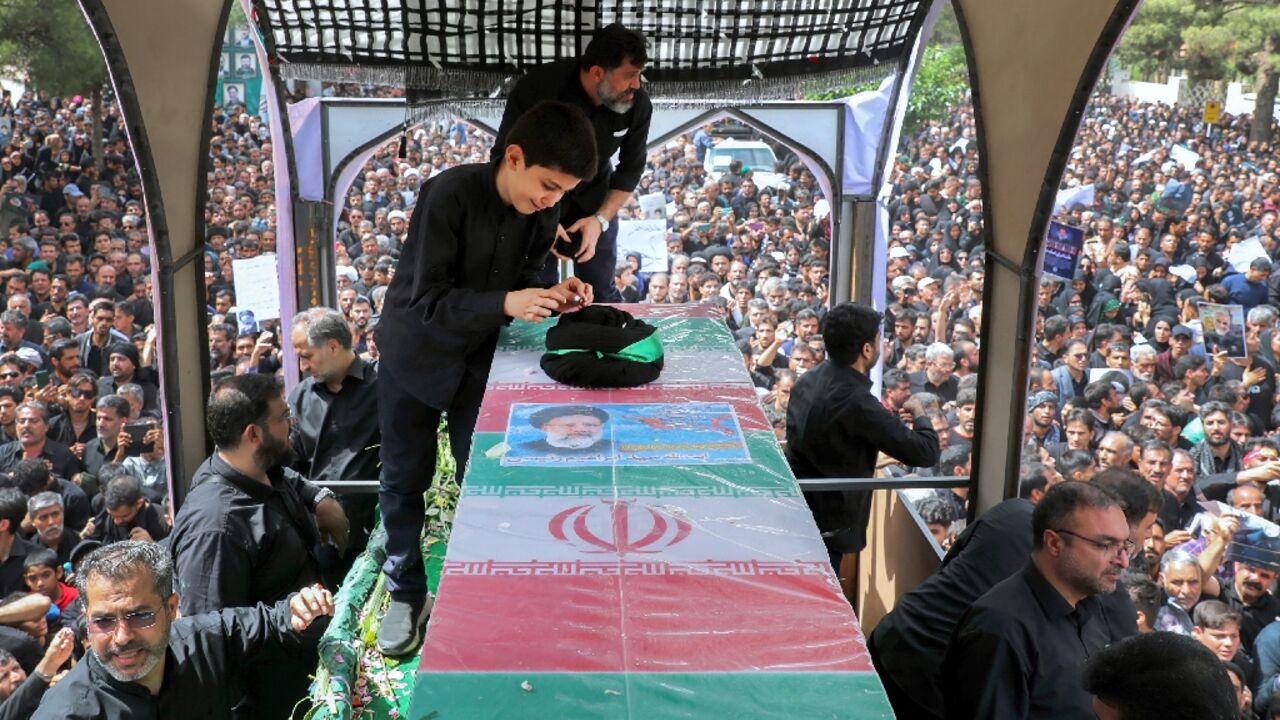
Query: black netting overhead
[[698, 47]]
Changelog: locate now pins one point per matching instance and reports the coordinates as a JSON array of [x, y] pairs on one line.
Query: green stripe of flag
[[636, 696], [675, 334]]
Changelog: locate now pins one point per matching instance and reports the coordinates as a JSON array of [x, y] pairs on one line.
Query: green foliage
[[842, 92], [947, 30], [50, 42], [941, 83], [1210, 40], [1207, 52], [1151, 44]]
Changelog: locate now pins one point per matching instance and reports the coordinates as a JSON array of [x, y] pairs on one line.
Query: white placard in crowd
[[646, 237], [1184, 156], [1245, 252], [1186, 272], [1079, 195], [653, 205], [1096, 374], [257, 286]]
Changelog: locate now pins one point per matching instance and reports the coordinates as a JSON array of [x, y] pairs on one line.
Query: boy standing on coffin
[[477, 239]]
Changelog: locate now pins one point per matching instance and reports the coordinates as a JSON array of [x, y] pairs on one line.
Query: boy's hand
[[533, 304], [578, 292]]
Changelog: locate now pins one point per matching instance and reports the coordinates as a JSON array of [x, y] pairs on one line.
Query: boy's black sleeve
[[460, 312], [548, 221]]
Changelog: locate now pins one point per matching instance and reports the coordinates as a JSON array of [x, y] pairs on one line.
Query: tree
[[941, 83], [1212, 41], [1257, 52], [1153, 42], [50, 42]]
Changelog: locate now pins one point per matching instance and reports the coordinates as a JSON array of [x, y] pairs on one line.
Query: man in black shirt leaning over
[[836, 427], [605, 85], [477, 239], [146, 662], [335, 409], [1034, 631], [250, 530]]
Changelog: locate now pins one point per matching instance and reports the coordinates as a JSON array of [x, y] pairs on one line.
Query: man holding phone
[[605, 84]]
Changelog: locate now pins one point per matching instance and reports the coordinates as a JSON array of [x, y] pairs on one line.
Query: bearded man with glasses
[[145, 661]]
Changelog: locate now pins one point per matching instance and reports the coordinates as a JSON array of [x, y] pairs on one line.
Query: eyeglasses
[[135, 621], [9, 375], [82, 392], [1109, 547]]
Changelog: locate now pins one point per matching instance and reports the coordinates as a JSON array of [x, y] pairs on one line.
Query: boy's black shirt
[[465, 250]]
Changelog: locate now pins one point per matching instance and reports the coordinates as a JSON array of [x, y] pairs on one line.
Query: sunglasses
[[135, 621], [81, 392], [9, 375]]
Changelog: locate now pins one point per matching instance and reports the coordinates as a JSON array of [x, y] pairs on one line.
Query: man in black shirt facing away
[[1020, 649], [144, 662], [836, 427], [605, 85], [477, 239]]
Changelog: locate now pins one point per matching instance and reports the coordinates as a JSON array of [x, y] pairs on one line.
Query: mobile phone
[[137, 431], [42, 378], [572, 247]]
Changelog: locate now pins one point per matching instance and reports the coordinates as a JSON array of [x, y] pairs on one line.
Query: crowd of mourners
[[1124, 379]]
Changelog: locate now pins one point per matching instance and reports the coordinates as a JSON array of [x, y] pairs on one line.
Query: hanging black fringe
[[478, 88]]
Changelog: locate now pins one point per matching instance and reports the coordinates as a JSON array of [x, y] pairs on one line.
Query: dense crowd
[[1125, 374], [1124, 378]]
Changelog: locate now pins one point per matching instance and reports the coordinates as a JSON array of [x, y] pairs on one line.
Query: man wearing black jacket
[[836, 427], [477, 240], [251, 530], [145, 662], [605, 84]]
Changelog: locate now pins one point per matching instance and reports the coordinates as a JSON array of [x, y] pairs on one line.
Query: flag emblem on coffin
[[631, 527]]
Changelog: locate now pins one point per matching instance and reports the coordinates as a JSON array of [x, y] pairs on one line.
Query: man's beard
[[51, 535], [273, 452], [572, 441], [154, 655], [614, 101], [1220, 441], [1085, 582]]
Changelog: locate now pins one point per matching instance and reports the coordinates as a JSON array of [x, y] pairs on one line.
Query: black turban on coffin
[[602, 347]]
